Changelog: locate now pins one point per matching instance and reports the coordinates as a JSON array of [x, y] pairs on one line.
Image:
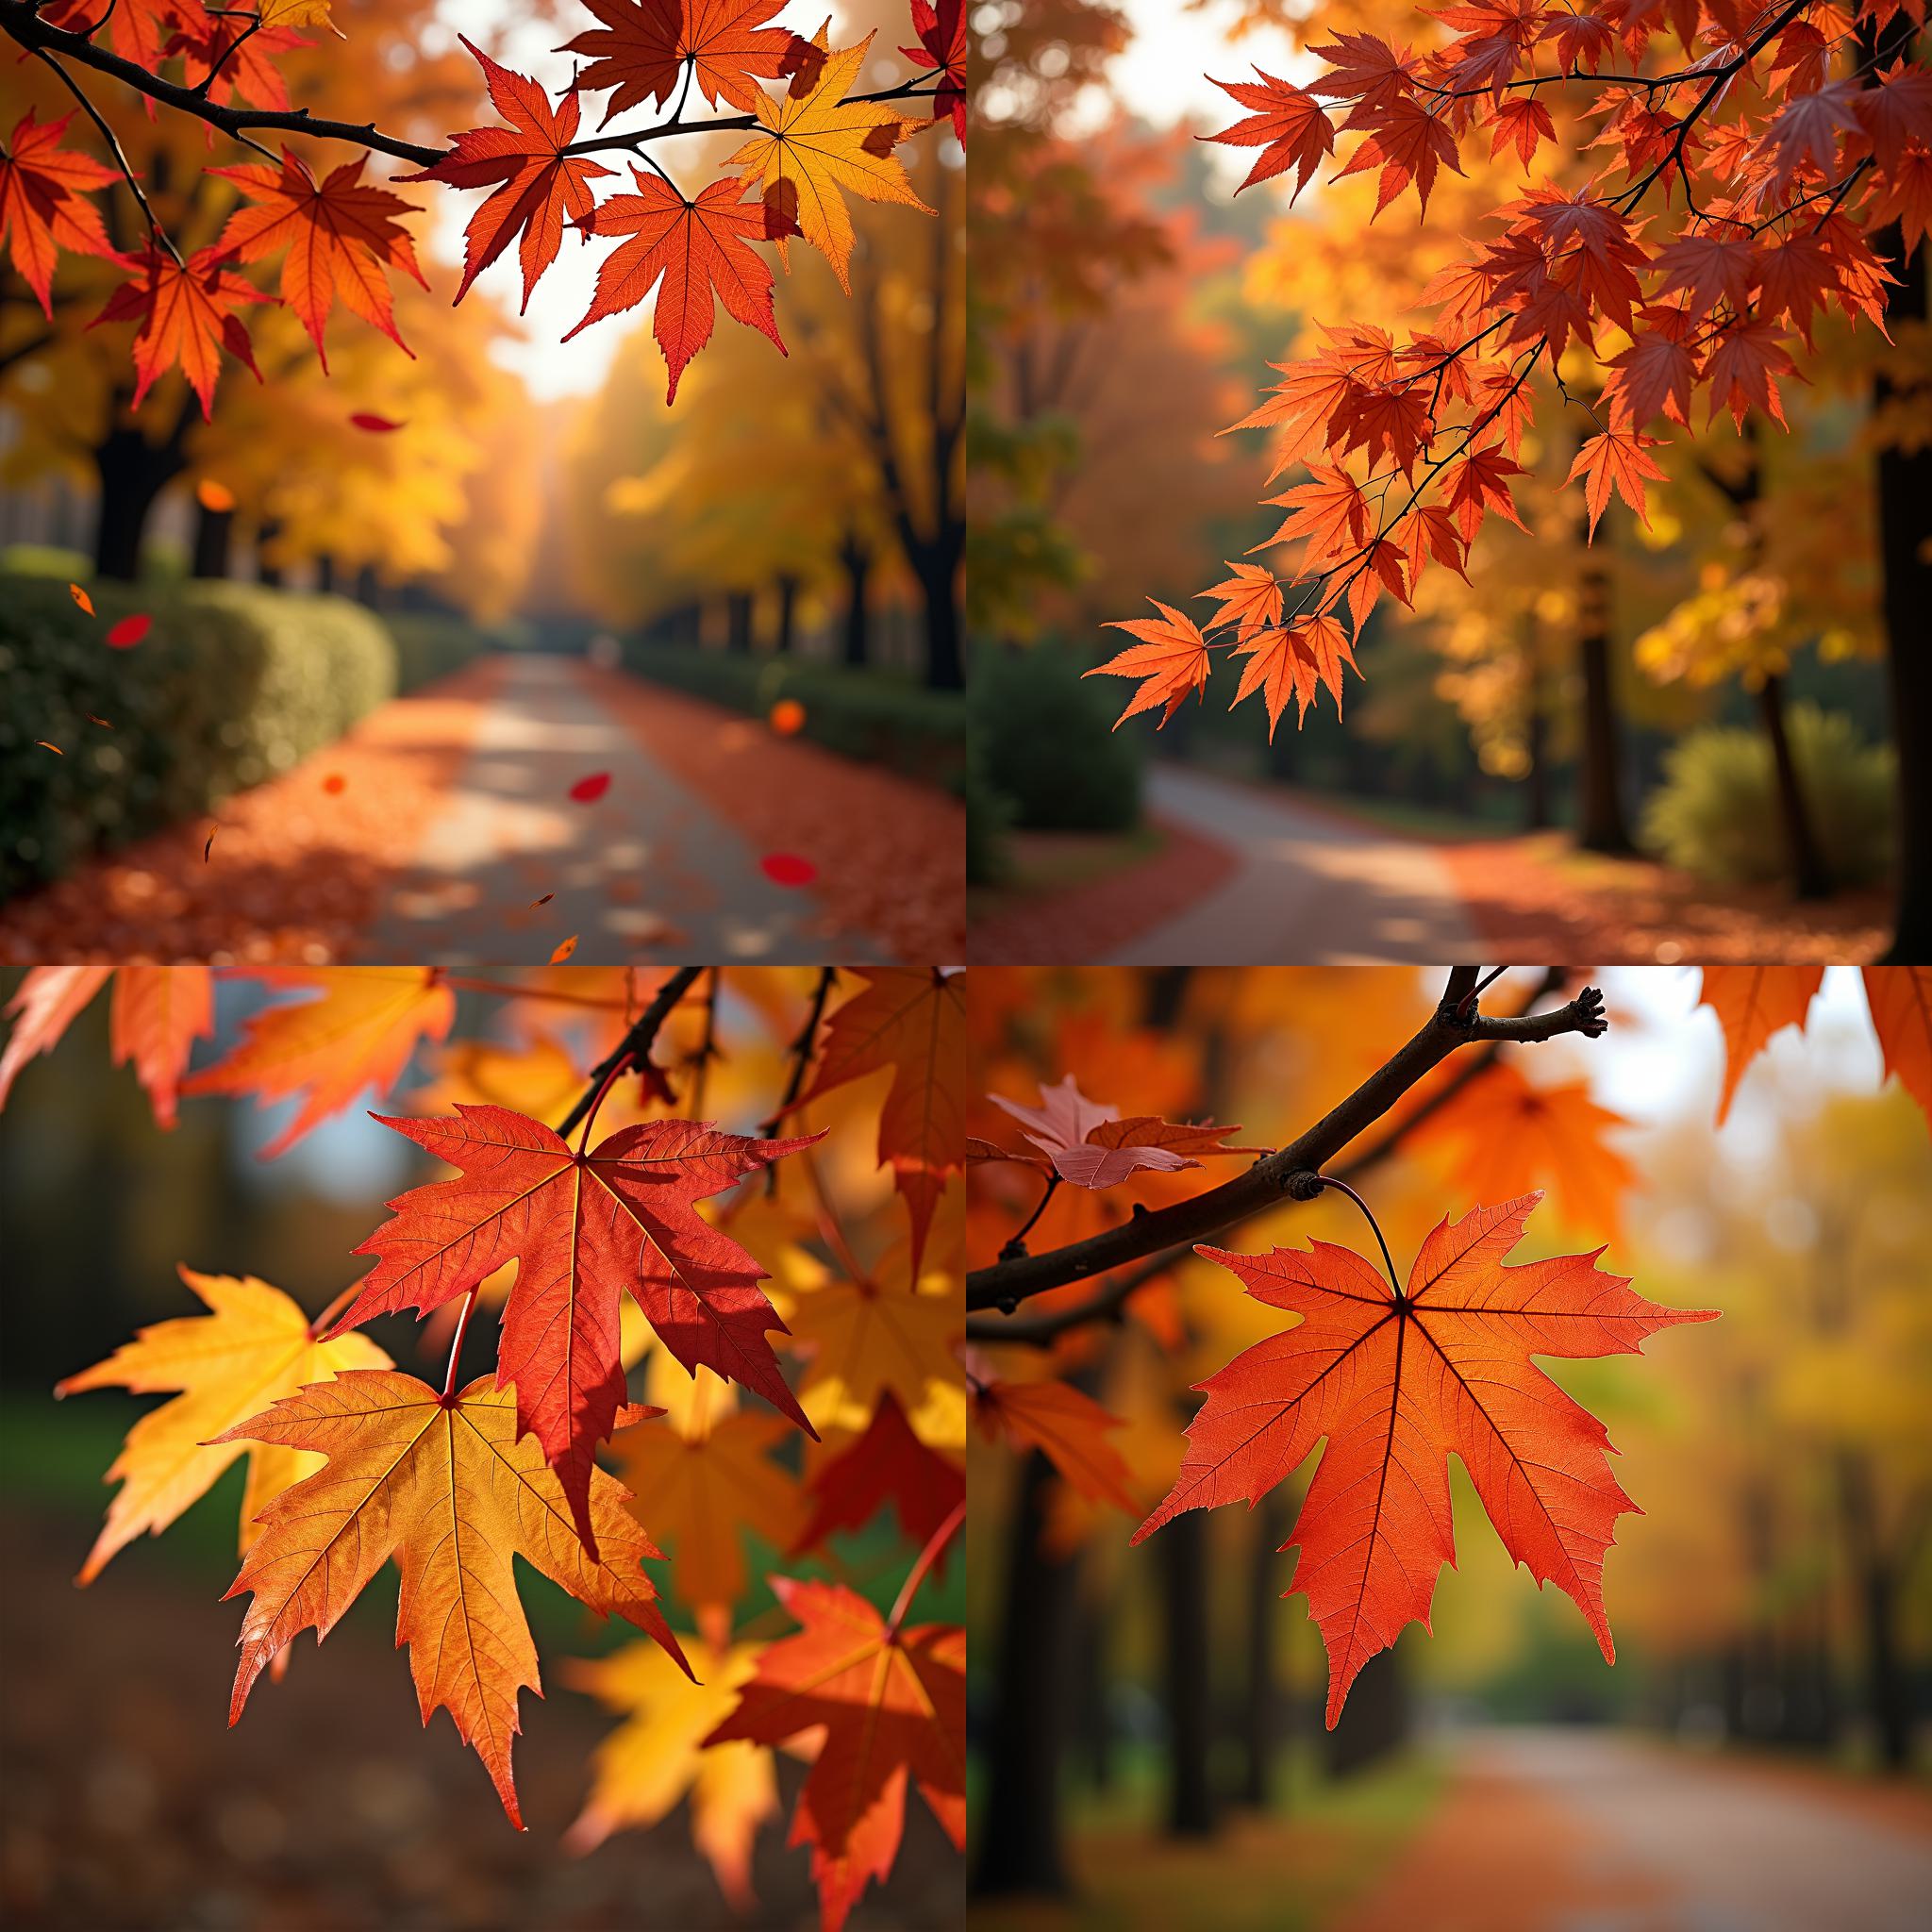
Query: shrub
[[989, 813], [861, 714], [430, 647], [232, 685], [1717, 815], [45, 561], [1049, 745]]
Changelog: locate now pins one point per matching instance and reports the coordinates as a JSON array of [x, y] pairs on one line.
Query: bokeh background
[[1148, 1747], [330, 1808]]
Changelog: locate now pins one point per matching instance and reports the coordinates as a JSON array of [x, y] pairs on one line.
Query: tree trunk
[[939, 570], [788, 610], [266, 572], [857, 557], [1375, 1718], [1020, 1833], [368, 588], [1190, 1691], [326, 574], [214, 540], [1810, 879], [1536, 791], [133, 472], [1884, 1673], [1600, 823], [738, 610]]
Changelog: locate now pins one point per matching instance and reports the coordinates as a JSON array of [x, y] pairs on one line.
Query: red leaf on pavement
[[587, 791]]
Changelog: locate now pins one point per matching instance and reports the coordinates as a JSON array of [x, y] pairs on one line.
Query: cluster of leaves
[[809, 144], [600, 1258], [1793, 142]]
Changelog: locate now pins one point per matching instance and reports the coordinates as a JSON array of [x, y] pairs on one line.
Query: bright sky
[[1162, 76], [550, 366]]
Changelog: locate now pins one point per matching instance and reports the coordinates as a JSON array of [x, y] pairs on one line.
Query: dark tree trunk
[[1095, 1720], [214, 540], [1375, 1718], [738, 610], [133, 472], [939, 570], [326, 574], [368, 588], [788, 610], [1020, 1831], [1183, 1544], [1884, 1672], [1535, 788], [1810, 879], [1262, 1714], [1600, 822], [857, 557], [265, 572]]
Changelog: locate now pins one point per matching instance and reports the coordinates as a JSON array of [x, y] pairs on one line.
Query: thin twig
[[635, 1045], [121, 160]]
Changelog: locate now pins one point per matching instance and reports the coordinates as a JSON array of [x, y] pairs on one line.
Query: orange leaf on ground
[[1395, 1383], [892, 1708], [453, 1492]]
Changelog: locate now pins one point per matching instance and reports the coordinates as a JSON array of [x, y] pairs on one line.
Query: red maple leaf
[[641, 50], [1289, 125], [1408, 144], [943, 47], [888, 1463], [1616, 457], [232, 59], [892, 1704], [187, 316], [702, 251], [137, 29], [583, 1229], [1396, 1382], [41, 202], [537, 186], [341, 234], [1294, 660]]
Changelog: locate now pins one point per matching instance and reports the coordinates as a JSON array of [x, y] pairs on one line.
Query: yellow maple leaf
[[227, 1365], [817, 143], [863, 1338], [655, 1756]]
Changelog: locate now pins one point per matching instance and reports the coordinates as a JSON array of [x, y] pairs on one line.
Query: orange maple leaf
[[187, 316], [1396, 1382], [1067, 1426], [1752, 1002], [1170, 660], [41, 202], [448, 1488], [340, 233], [1616, 457], [892, 1704], [1289, 125], [1900, 998]]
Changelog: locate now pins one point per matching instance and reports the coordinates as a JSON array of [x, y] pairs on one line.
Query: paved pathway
[[1308, 889], [648, 872], [1551, 1831]]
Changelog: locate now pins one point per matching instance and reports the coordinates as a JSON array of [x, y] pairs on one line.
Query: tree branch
[[1006, 1284], [635, 1046]]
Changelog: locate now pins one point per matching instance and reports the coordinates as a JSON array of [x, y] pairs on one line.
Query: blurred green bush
[[430, 647], [860, 714], [1716, 813], [232, 685], [1048, 744]]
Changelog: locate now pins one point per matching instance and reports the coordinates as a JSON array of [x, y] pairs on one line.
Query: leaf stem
[[456, 1347], [636, 1045], [333, 1309], [1017, 1246], [935, 1548], [597, 1100], [1328, 1180]]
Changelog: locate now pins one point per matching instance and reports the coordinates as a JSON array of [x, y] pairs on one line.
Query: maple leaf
[[1408, 144], [187, 316], [1089, 1145], [253, 1345], [453, 1492], [1615, 456], [657, 1756], [1741, 370], [1170, 660], [341, 234], [892, 1704], [817, 147], [1068, 1427], [700, 248], [1506, 1136], [1397, 1383], [358, 1032], [583, 1229], [706, 1468], [1805, 133], [1478, 483], [888, 1463], [865, 1339], [1900, 1000], [942, 47], [912, 1019], [1654, 375], [1752, 1002], [1250, 600], [233, 60], [41, 202], [1329, 510], [1294, 660], [1707, 268], [640, 49], [537, 184], [156, 1016], [137, 28], [1289, 125]]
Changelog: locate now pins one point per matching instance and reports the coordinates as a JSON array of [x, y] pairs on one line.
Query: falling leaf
[[543, 900], [216, 498], [788, 869], [564, 948], [587, 791], [787, 718], [208, 850], [101, 722], [128, 632], [334, 783], [81, 598], [1443, 1367], [253, 1345], [54, 748], [454, 1492], [375, 426]]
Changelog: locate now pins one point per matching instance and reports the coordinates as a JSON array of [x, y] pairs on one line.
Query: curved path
[[1547, 1830], [1309, 889], [649, 872]]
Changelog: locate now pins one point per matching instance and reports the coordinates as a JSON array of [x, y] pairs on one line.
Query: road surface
[[1308, 889]]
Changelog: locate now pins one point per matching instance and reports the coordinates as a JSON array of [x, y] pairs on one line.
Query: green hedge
[[1717, 813], [430, 647], [233, 685], [1046, 743], [862, 714]]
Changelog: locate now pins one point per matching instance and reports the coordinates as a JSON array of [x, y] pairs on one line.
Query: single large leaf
[[254, 1345], [1397, 1383], [450, 1490], [891, 1706], [187, 316], [1901, 1002], [584, 1229], [1752, 1002], [43, 190]]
